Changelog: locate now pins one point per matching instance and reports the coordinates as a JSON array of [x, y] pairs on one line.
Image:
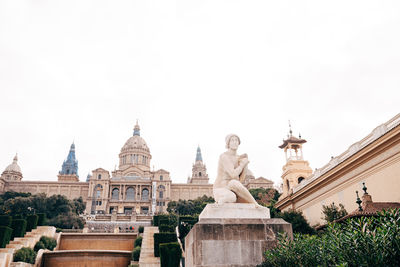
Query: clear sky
[[192, 72]]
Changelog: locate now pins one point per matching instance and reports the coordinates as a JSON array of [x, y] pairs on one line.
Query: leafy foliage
[[49, 243], [160, 238], [166, 228], [184, 226], [189, 207], [299, 223], [332, 212], [266, 197], [365, 241], [5, 220], [141, 229], [25, 254], [19, 228], [31, 222], [57, 208]]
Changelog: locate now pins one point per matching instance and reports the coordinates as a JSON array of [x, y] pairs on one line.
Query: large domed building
[[132, 188]]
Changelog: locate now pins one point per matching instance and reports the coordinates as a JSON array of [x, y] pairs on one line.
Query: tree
[[332, 212], [266, 197], [189, 207], [299, 223]]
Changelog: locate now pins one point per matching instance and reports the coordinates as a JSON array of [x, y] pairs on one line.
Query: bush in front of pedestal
[[5, 220], [138, 241], [160, 238], [141, 229], [41, 219], [136, 253], [48, 242], [31, 222], [185, 224], [364, 241], [170, 254], [25, 254], [19, 228], [5, 236], [163, 228]]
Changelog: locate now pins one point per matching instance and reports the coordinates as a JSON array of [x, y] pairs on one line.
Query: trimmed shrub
[[163, 222], [166, 228], [185, 225], [136, 253], [138, 241], [141, 229], [31, 222], [160, 238], [48, 242], [17, 217], [5, 220], [25, 254], [5, 236], [19, 228], [39, 245], [41, 219], [155, 220], [170, 254]]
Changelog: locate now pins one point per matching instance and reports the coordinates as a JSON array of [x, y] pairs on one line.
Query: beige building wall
[[190, 191], [374, 160]]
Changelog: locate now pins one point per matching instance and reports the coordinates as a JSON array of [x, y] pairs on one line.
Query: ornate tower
[[199, 170], [69, 169], [296, 169], [13, 171]]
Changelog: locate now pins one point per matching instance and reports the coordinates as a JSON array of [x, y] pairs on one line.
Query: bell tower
[[199, 170], [296, 169]]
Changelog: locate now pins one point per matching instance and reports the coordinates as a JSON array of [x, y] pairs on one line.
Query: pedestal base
[[220, 242]]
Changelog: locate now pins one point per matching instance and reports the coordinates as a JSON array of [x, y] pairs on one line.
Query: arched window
[[161, 178], [145, 194], [99, 176], [130, 193], [115, 193], [200, 174], [98, 190], [300, 179], [67, 171], [161, 194]]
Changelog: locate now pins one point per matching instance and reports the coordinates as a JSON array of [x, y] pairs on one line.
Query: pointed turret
[[198, 154], [69, 169]]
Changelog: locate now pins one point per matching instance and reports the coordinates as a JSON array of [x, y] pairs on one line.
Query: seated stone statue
[[231, 170]]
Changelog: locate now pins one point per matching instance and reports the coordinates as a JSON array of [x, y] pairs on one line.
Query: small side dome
[[13, 167]]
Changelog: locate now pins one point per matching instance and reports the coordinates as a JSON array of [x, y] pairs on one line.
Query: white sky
[[192, 72]]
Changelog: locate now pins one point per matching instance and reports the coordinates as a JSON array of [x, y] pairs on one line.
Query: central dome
[[135, 152]]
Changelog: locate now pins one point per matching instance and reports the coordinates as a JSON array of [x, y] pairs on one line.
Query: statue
[[232, 170]]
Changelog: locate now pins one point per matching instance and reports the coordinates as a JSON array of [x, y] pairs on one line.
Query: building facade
[[374, 160], [132, 188]]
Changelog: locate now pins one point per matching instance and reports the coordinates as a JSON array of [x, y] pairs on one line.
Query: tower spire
[[198, 154], [136, 129]]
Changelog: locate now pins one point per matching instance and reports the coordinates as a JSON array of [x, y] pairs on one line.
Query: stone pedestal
[[232, 234]]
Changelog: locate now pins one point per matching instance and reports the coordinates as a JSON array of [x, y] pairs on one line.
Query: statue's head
[[232, 138]]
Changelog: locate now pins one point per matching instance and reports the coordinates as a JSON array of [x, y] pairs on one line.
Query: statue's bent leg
[[241, 191], [224, 195]]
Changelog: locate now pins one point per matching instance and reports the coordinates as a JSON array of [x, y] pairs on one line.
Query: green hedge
[[170, 254], [141, 229], [5, 236], [41, 219], [155, 220], [136, 253], [160, 238], [163, 221], [166, 228], [184, 226], [31, 222], [17, 216], [19, 228], [49, 243], [138, 241], [25, 254], [5, 220]]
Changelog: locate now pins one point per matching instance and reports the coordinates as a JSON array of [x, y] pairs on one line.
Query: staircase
[[147, 258]]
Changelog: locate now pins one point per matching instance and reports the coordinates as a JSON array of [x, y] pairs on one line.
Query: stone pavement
[[147, 258]]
